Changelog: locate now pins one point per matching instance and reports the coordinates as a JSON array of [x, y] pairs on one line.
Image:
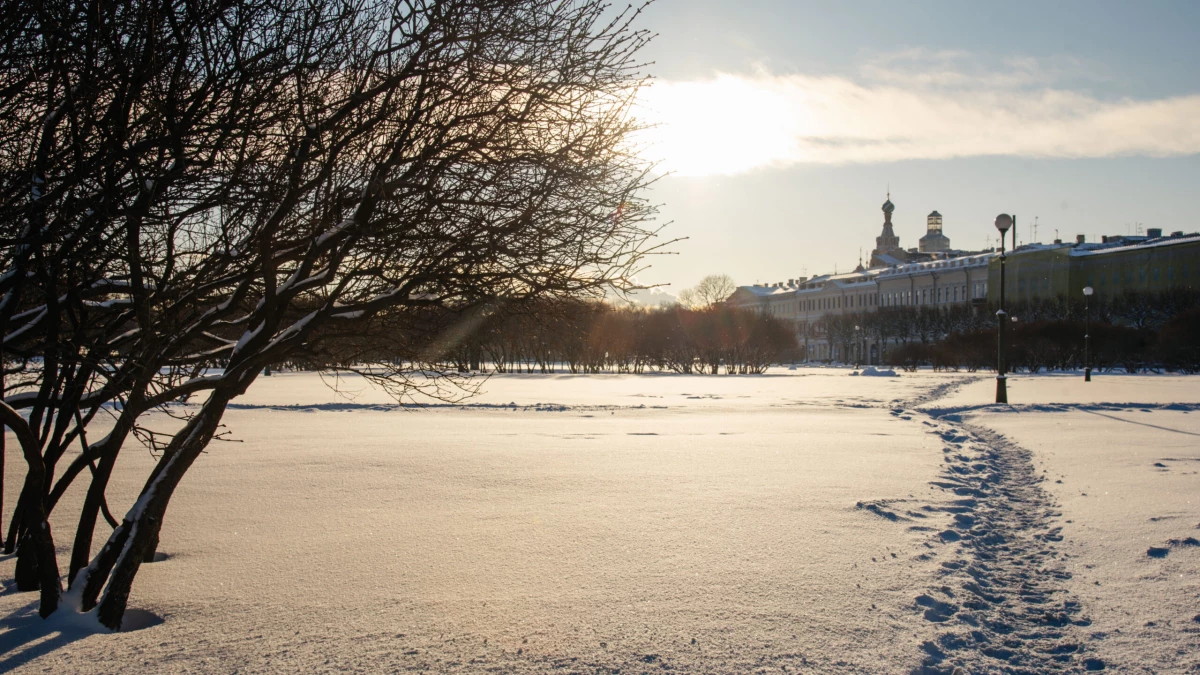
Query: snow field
[[802, 521]]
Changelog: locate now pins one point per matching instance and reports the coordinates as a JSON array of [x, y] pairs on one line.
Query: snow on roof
[[764, 291], [1100, 249], [975, 260], [888, 260], [1038, 246]]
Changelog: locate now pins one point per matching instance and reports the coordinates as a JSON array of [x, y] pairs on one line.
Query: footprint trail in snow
[[999, 601]]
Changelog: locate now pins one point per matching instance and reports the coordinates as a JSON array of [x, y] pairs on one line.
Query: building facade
[[826, 310], [1115, 264], [826, 304]]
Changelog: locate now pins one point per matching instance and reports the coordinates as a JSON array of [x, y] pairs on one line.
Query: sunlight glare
[[725, 125]]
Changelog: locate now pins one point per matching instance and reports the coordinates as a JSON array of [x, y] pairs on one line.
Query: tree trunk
[[14, 527], [81, 549], [126, 549], [26, 573], [37, 566], [3, 437], [152, 547]]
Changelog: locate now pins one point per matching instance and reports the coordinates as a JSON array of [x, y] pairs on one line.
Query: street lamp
[[1003, 222], [1087, 334]]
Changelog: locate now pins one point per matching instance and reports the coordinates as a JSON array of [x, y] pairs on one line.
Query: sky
[[781, 125]]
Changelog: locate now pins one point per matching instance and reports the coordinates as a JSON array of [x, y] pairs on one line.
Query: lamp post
[[1003, 222], [1087, 334]]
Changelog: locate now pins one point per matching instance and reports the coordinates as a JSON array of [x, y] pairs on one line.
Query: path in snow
[[1117, 481]]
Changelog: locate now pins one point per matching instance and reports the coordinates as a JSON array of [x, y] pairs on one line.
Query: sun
[[725, 125]]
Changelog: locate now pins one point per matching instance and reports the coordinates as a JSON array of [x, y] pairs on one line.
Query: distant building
[[810, 304], [887, 245], [934, 241], [1111, 266], [934, 245], [938, 276]]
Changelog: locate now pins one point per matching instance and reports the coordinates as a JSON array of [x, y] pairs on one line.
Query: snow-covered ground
[[798, 521]]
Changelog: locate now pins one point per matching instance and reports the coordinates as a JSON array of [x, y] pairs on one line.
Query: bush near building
[[1133, 331]]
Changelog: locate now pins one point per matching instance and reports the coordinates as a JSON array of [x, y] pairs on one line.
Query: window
[[1155, 273], [1141, 275]]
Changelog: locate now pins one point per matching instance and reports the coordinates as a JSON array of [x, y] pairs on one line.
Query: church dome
[[888, 206]]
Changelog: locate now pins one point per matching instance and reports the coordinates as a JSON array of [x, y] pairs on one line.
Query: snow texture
[[801, 521]]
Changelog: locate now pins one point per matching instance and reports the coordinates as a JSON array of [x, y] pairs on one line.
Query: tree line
[[580, 336]]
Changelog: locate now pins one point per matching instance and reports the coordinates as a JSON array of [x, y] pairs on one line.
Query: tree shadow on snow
[[1143, 424], [25, 636]]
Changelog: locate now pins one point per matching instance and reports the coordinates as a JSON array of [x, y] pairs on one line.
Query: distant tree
[[712, 289], [1178, 343]]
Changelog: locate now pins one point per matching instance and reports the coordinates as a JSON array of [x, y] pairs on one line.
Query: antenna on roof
[[1035, 229]]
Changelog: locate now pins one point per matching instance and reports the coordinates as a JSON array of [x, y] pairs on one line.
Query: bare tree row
[[595, 337]]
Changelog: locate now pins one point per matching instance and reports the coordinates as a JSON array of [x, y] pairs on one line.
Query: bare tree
[[236, 184], [712, 289]]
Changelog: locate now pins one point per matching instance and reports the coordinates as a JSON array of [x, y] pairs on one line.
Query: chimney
[[1177, 233], [1154, 232], [1058, 241], [1104, 239], [1079, 239]]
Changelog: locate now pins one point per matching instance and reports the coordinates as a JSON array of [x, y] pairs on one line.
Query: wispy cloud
[[911, 105]]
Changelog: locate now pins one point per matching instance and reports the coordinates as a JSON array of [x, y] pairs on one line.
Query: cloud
[[913, 105]]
